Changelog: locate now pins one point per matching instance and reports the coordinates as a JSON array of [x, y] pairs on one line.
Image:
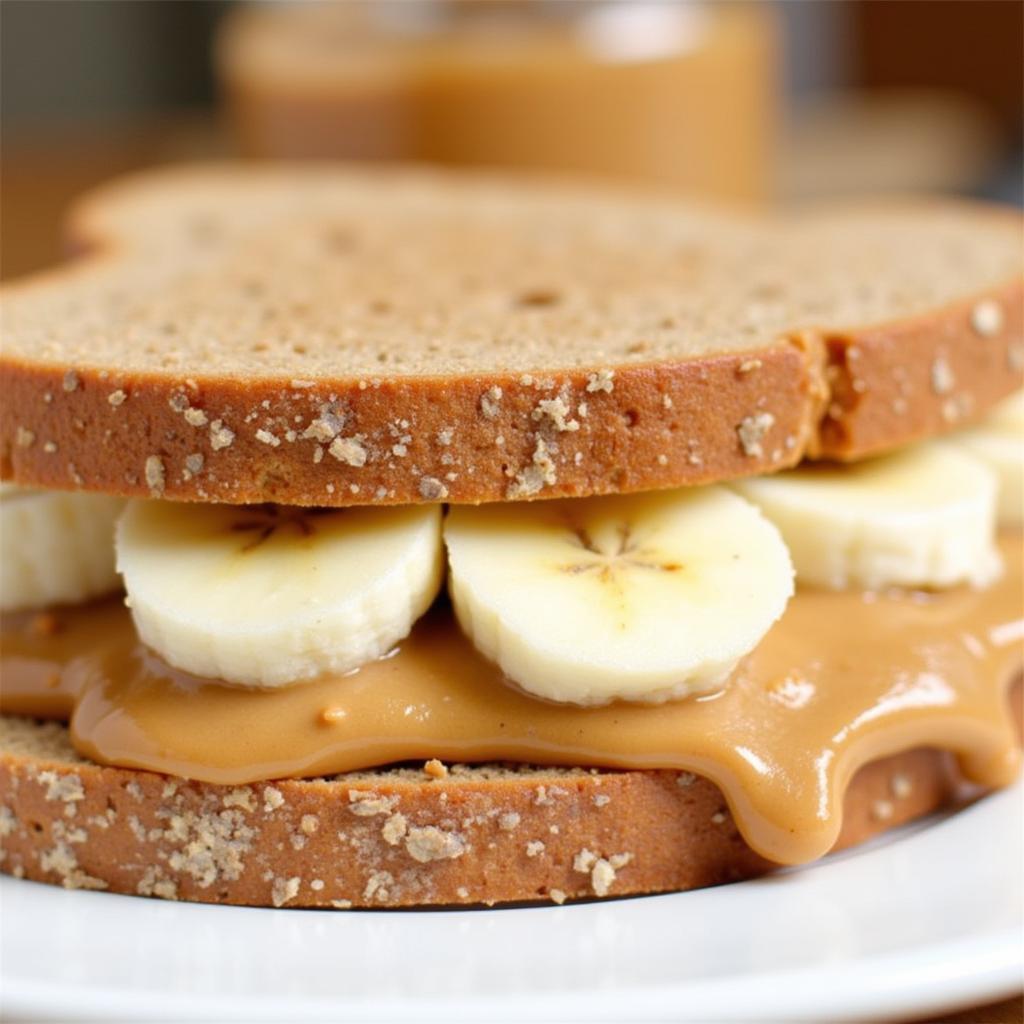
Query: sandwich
[[386, 537]]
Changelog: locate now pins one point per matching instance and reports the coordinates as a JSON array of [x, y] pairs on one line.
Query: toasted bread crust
[[668, 399], [659, 425], [920, 377], [400, 838]]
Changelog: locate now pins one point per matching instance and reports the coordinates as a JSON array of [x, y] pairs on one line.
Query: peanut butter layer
[[841, 680]]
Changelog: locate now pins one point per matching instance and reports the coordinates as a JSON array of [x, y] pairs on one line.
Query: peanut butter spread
[[842, 679]]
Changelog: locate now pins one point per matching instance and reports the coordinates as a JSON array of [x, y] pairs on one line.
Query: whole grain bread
[[333, 336], [402, 837]]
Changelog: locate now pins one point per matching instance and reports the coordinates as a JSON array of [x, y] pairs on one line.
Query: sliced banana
[[271, 595], [641, 597], [56, 547], [999, 442], [921, 517]]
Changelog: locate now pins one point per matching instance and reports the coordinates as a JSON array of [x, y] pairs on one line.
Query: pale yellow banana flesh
[[268, 596], [998, 440], [641, 597], [56, 547], [920, 517]]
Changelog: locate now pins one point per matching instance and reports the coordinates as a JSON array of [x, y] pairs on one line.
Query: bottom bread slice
[[399, 837]]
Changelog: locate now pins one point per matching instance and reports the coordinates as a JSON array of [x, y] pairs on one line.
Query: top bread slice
[[331, 336]]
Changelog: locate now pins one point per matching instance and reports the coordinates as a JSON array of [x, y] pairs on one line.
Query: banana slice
[[641, 597], [922, 517], [270, 595], [56, 547], [999, 442]]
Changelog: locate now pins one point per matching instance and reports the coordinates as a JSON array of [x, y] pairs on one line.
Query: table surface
[[38, 181]]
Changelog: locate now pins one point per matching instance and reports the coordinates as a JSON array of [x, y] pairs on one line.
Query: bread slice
[[328, 336], [400, 837]]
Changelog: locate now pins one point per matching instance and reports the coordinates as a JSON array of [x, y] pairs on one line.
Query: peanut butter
[[842, 679]]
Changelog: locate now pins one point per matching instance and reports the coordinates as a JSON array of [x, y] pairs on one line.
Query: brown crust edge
[[647, 426], [407, 839]]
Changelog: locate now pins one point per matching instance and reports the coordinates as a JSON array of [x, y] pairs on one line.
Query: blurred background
[[759, 103]]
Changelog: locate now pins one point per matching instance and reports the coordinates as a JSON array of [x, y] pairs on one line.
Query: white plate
[[928, 920]]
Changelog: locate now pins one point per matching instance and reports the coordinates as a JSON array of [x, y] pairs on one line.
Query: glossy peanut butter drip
[[842, 679]]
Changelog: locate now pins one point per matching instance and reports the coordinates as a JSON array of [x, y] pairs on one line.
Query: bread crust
[[400, 838], [477, 439], [615, 427], [919, 377]]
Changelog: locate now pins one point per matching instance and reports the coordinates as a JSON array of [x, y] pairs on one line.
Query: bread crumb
[[685, 779], [71, 381], [240, 797], [462, 892], [489, 402], [662, 460], [431, 489], [602, 380], [349, 450], [957, 407], [62, 788], [987, 318], [284, 890], [943, 380], [901, 786], [220, 435], [24, 438], [153, 883], [444, 436], [602, 877], [535, 848], [532, 479], [602, 800], [378, 885], [436, 769], [751, 432], [394, 829], [116, 398], [508, 821], [266, 437], [749, 365], [326, 427], [882, 810], [584, 861], [557, 896], [719, 818], [193, 465], [341, 904], [556, 409], [430, 843], [309, 823], [316, 884], [272, 799], [195, 417], [365, 803], [154, 473], [50, 447]]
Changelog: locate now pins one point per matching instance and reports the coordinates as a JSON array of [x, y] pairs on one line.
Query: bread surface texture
[[327, 336], [402, 837]]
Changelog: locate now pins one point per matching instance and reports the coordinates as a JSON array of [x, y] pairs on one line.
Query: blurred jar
[[678, 93]]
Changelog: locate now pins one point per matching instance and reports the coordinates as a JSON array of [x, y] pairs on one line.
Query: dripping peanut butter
[[842, 679]]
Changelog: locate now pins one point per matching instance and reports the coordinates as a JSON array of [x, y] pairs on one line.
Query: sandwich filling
[[842, 679], [657, 631]]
